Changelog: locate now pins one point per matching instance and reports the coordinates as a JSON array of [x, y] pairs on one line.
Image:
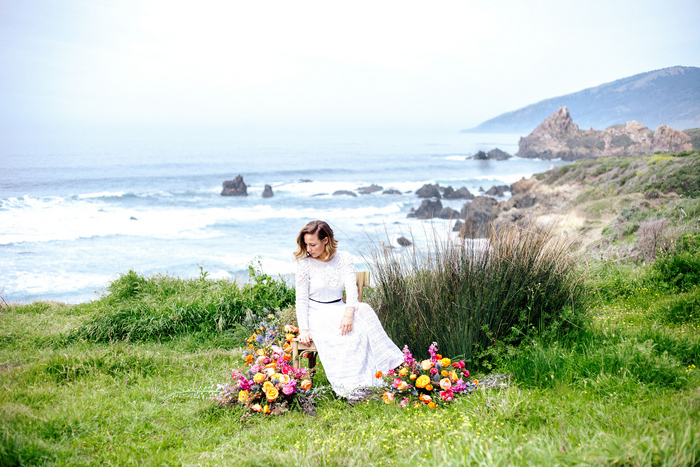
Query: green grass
[[623, 389]]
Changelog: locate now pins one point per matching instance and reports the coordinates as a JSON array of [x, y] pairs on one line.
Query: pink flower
[[407, 357], [290, 388], [433, 371], [459, 365], [466, 373], [397, 382], [391, 373], [459, 386], [403, 403], [447, 395]]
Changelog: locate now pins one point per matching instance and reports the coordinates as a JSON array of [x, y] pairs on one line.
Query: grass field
[[624, 390]]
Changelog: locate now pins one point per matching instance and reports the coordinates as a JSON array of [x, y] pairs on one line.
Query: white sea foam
[[456, 158]]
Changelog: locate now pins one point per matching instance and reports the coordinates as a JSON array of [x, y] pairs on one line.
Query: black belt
[[334, 301]]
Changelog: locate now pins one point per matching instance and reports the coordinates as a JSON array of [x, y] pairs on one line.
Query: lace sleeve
[[350, 280], [302, 294]]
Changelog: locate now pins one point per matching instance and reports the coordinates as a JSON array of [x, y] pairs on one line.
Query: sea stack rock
[[429, 191], [344, 192], [235, 187], [267, 192], [366, 190]]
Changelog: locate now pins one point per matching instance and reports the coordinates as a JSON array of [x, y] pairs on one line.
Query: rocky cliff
[[558, 137]]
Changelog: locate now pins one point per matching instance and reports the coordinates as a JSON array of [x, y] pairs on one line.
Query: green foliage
[[678, 271], [160, 307], [472, 301]]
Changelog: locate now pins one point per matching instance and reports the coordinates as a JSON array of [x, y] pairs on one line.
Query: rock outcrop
[[559, 137], [235, 187], [267, 192], [429, 191], [477, 215], [462, 193], [427, 210], [366, 190], [391, 191], [344, 192], [493, 155], [497, 190], [403, 241]]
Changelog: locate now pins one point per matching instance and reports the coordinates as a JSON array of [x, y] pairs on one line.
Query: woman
[[351, 342]]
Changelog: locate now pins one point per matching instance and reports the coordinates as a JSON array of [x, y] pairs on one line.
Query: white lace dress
[[350, 361]]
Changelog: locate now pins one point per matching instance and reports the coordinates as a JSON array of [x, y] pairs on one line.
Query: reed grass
[[471, 295]]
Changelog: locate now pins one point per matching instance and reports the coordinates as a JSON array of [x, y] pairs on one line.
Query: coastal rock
[[403, 241], [344, 192], [427, 210], [461, 193], [522, 186], [480, 156], [459, 225], [477, 215], [498, 155], [497, 190], [366, 190], [235, 187], [559, 137], [429, 191], [267, 192], [448, 213], [391, 191]]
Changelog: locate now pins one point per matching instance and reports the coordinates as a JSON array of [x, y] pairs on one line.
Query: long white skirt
[[351, 361]]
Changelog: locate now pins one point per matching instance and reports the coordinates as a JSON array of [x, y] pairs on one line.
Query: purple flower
[[407, 357], [432, 350]]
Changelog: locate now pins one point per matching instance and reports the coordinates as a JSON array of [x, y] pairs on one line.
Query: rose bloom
[[388, 397], [256, 408], [445, 383], [422, 381], [413, 376], [397, 382], [425, 398], [426, 365], [433, 371], [267, 386], [453, 376], [259, 378], [243, 397], [272, 394], [284, 379], [289, 389], [287, 357], [403, 371], [260, 352], [306, 385], [447, 395], [446, 362], [269, 371], [403, 386]]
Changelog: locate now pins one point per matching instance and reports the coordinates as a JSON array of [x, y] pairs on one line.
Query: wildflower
[[270, 316], [445, 383], [407, 357], [259, 378], [378, 374], [388, 397], [289, 337], [290, 328], [422, 381], [476, 381], [272, 394]]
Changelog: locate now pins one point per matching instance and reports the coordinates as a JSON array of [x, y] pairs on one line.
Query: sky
[[76, 65]]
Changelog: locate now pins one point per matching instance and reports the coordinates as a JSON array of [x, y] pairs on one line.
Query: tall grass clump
[[477, 296], [160, 307]]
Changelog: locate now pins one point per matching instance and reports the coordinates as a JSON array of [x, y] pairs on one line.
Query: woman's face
[[314, 246]]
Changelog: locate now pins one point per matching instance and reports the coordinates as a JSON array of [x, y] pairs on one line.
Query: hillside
[[670, 96]]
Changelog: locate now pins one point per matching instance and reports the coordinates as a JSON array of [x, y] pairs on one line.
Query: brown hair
[[323, 230]]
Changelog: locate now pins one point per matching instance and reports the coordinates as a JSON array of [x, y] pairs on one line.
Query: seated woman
[[351, 342]]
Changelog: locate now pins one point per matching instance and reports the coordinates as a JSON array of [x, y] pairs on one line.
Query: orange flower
[[429, 387], [378, 374], [243, 397], [430, 404], [259, 378], [438, 356], [289, 337], [444, 373], [248, 359], [476, 381], [256, 408], [287, 357], [388, 397], [287, 347], [284, 379], [403, 371], [453, 376], [272, 394], [306, 385], [403, 385], [422, 381], [271, 365], [425, 398], [266, 409]]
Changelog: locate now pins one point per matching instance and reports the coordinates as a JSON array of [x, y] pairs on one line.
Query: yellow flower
[[272, 394], [413, 376], [267, 386], [426, 365], [446, 362], [445, 383], [284, 379], [430, 404], [403, 385], [422, 381], [259, 378], [429, 387], [260, 352], [403, 371], [388, 397], [425, 398], [256, 408], [453, 376], [243, 397], [269, 371], [266, 409], [444, 373]]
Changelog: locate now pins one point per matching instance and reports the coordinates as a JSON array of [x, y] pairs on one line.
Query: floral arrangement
[[430, 382], [270, 384]]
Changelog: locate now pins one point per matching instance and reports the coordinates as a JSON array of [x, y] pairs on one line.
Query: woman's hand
[[304, 337], [346, 321]]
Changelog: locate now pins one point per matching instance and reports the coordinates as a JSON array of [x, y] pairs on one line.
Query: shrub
[[139, 308], [469, 295], [681, 271]]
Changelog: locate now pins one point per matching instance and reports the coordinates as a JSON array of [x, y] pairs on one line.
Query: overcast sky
[[274, 64]]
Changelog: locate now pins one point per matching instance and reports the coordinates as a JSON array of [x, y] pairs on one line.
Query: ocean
[[73, 216]]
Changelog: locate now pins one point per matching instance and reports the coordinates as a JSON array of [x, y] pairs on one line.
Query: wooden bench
[[299, 349]]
